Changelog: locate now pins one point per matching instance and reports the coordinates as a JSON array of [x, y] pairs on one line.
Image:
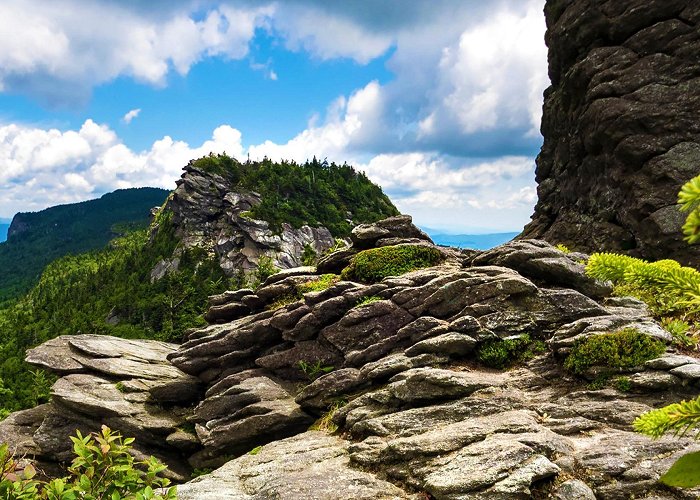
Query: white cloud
[[47, 167], [129, 116], [63, 48]]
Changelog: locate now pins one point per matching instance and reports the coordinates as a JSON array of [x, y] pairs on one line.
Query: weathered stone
[[310, 465], [573, 489], [320, 393], [619, 125], [653, 381], [366, 235], [689, 371], [669, 361], [447, 344]]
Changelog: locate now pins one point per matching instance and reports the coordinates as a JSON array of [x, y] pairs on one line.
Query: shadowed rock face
[[620, 125]]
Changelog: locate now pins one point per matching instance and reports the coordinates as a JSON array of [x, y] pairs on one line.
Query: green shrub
[[502, 353], [563, 248], [308, 256], [266, 268], [624, 349], [371, 266], [102, 468], [665, 286]]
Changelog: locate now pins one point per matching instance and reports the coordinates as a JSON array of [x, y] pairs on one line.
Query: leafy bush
[[102, 468], [689, 200], [266, 268], [665, 286], [502, 353], [563, 248], [679, 419], [308, 256], [371, 266], [624, 349]]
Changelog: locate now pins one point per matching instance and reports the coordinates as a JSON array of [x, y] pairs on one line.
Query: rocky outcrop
[[620, 126], [397, 367], [209, 212], [125, 384]]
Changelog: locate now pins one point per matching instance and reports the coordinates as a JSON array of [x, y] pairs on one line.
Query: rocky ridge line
[[418, 416]]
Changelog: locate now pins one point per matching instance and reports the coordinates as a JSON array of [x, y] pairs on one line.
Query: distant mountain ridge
[[3, 231], [36, 238]]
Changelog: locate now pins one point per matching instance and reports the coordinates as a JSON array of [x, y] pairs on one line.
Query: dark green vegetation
[[41, 237], [502, 353], [627, 348], [103, 467], [314, 193], [77, 294], [373, 265]]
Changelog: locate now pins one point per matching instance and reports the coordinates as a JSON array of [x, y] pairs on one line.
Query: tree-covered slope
[[313, 193], [36, 239]]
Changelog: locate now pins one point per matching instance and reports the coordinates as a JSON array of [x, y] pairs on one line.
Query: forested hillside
[[313, 193], [113, 290], [36, 239]]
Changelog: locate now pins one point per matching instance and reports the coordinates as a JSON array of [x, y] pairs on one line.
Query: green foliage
[[368, 300], [255, 450], [102, 468], [76, 294], [665, 286], [502, 353], [622, 384], [314, 193], [679, 331], [309, 256], [373, 265], [323, 282], [677, 418], [315, 370], [623, 349], [42, 237], [562, 248], [325, 423], [689, 200], [266, 268]]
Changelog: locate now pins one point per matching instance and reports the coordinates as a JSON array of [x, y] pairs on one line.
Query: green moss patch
[[624, 349], [502, 353], [371, 266]]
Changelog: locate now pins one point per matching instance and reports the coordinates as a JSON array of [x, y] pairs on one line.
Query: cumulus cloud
[[451, 135], [129, 116], [47, 167], [59, 50]]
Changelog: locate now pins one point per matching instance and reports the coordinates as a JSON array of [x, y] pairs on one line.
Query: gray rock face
[[620, 126], [310, 465], [127, 385], [209, 213], [418, 414]]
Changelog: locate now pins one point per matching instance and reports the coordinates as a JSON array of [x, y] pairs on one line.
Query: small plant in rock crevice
[[314, 370], [502, 353], [368, 300], [325, 422]]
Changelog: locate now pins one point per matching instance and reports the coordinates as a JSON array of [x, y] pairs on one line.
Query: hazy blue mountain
[[3, 231], [475, 241]]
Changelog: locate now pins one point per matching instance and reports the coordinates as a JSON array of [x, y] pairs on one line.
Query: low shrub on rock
[[502, 353], [624, 349], [373, 265]]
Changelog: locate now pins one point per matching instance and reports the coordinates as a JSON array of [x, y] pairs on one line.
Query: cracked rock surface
[[620, 126]]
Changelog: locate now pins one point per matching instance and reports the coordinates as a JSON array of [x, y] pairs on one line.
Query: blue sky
[[437, 101]]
